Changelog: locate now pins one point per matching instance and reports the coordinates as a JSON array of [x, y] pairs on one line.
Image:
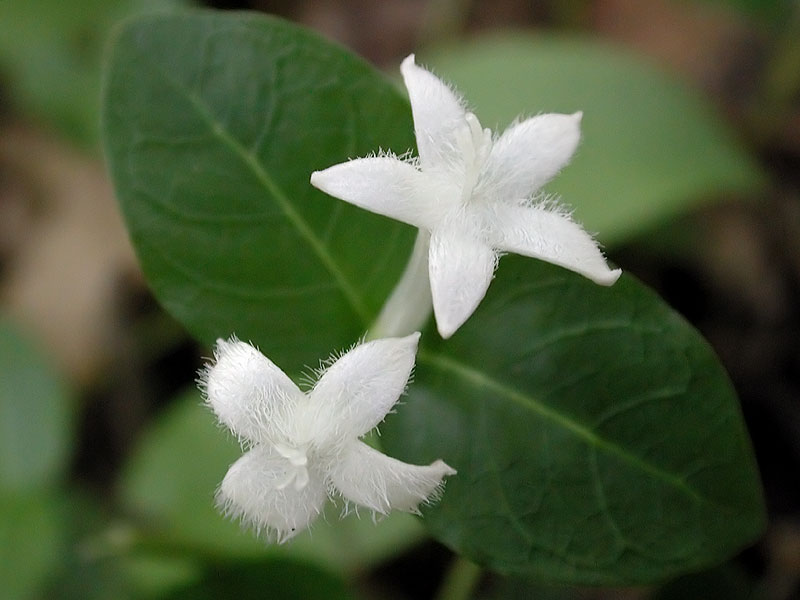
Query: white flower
[[302, 447], [475, 194]]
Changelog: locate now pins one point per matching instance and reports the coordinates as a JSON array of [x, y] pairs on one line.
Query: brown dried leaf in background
[[64, 249]]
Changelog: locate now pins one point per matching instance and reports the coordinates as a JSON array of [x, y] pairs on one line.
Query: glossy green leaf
[[169, 487], [596, 436], [651, 148], [35, 416], [213, 125]]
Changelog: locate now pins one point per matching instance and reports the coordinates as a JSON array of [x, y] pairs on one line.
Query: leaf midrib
[[478, 378], [269, 185]]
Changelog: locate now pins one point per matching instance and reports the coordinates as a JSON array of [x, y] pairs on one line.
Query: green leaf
[[286, 579], [170, 482], [32, 532], [213, 125], [596, 436], [35, 416], [651, 147]]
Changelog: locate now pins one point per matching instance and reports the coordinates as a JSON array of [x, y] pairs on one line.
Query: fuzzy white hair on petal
[[302, 448], [464, 168]]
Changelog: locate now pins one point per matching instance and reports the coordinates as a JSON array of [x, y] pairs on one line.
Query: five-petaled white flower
[[303, 447], [475, 194]]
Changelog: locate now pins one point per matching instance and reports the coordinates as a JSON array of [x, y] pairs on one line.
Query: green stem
[[409, 306], [459, 581]]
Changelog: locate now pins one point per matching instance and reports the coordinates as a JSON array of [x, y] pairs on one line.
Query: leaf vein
[[251, 161], [590, 437]]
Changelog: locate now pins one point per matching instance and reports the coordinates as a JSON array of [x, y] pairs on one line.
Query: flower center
[[475, 144], [297, 470]]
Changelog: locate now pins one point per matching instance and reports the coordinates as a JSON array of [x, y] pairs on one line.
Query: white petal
[[254, 492], [552, 236], [438, 114], [355, 393], [528, 155], [248, 393], [381, 184], [381, 483], [461, 269]]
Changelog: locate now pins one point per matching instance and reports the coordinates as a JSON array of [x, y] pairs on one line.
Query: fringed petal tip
[[261, 528], [385, 184], [362, 357], [528, 154], [209, 363], [354, 394], [608, 278], [380, 483], [447, 326], [254, 492], [409, 67], [461, 267], [247, 392], [209, 374], [438, 469], [323, 181], [430, 492]]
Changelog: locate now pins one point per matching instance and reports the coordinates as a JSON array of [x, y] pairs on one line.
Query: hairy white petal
[[381, 184], [438, 113], [461, 267], [248, 393], [355, 393], [381, 483], [256, 491], [528, 155], [547, 234]]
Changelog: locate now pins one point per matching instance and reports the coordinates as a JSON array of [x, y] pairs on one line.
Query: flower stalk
[[409, 306]]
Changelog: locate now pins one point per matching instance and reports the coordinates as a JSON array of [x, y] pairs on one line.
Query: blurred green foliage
[[35, 417], [36, 436], [51, 58]]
